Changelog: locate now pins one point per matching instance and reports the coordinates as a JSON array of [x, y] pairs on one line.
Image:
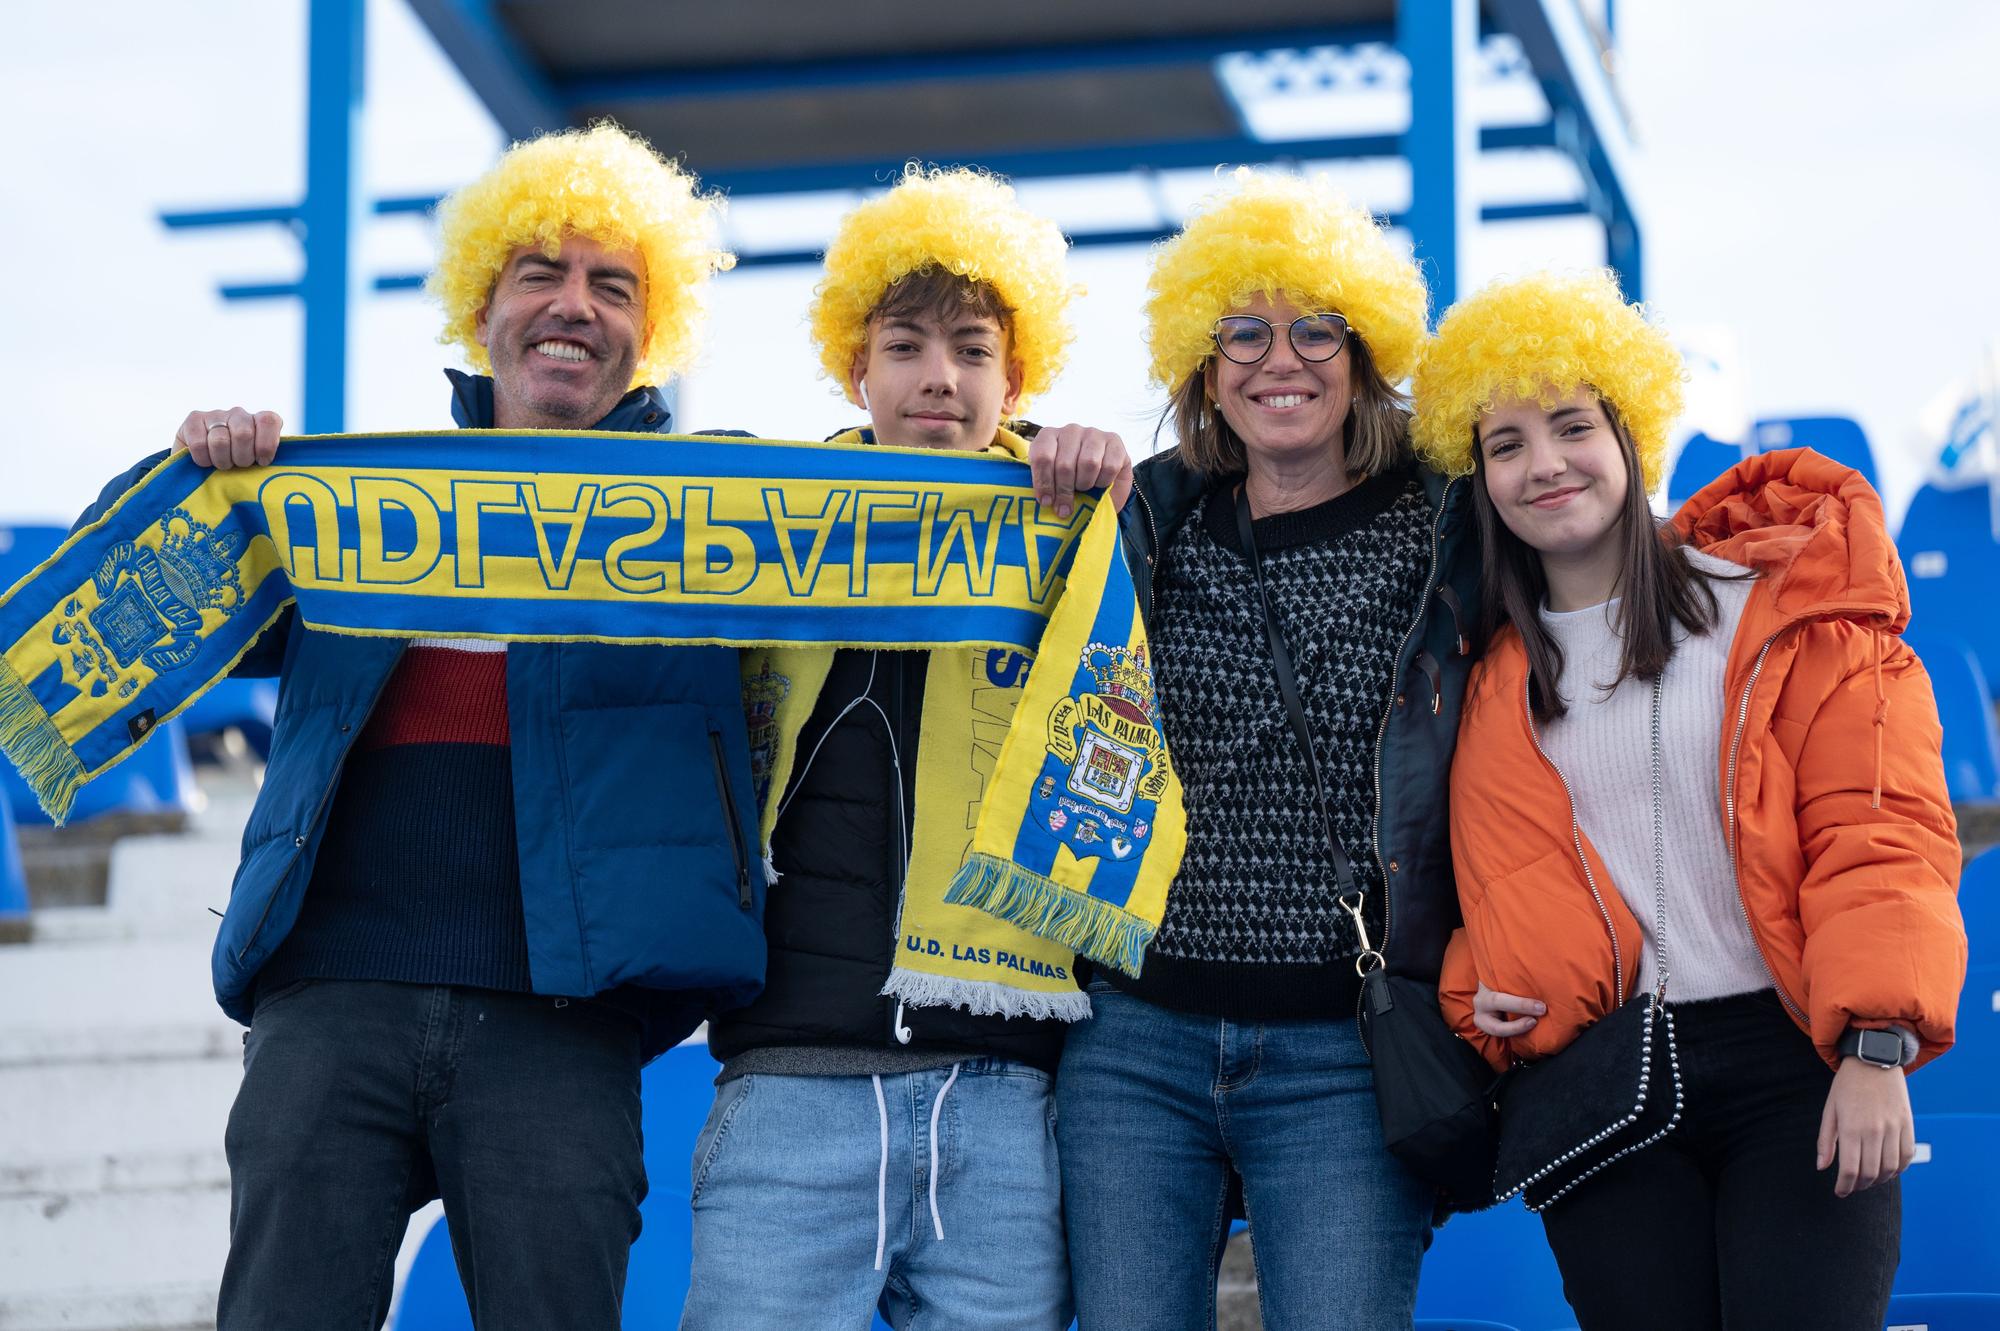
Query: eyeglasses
[[1246, 339]]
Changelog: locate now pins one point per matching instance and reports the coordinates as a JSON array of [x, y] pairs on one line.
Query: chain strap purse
[[1432, 1089], [1567, 1117]]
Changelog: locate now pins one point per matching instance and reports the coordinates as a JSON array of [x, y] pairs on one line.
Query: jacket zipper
[[318, 809], [1153, 533], [1382, 735], [1576, 841], [1729, 799], [743, 897]]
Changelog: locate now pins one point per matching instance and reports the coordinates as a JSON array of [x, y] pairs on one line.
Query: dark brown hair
[[1375, 436], [1658, 585], [940, 294]]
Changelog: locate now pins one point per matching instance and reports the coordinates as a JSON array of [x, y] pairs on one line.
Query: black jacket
[[1413, 756], [841, 845]]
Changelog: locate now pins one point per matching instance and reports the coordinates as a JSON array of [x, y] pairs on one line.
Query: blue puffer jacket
[[632, 800]]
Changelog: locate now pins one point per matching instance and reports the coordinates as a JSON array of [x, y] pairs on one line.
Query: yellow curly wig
[[603, 183], [965, 222], [1540, 337], [1273, 233]]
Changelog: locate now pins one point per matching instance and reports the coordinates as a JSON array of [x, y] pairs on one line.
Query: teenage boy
[[882, 1134]]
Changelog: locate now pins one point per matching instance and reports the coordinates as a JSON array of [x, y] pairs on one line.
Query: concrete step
[[69, 866], [137, 878], [106, 1127], [158, 888], [142, 1257], [101, 1001], [182, 1307], [67, 926], [173, 875], [117, 1072]]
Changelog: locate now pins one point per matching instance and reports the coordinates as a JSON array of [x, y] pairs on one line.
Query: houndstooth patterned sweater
[[1252, 929]]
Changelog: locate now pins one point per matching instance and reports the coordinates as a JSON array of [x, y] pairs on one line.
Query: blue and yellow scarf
[[544, 537]]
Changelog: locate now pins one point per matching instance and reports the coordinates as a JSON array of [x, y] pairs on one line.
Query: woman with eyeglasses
[[1698, 763], [1281, 320]]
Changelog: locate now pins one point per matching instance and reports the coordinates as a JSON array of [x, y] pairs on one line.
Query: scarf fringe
[[1045, 908], [33, 744], [984, 998]]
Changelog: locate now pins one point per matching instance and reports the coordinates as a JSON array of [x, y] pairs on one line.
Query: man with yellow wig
[[881, 1134], [484, 883]]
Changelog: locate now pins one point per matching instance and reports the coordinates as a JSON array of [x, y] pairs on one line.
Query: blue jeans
[[933, 1196], [362, 1100], [1155, 1109]]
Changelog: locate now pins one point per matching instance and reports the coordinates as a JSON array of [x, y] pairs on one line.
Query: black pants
[[361, 1101], [1726, 1223]]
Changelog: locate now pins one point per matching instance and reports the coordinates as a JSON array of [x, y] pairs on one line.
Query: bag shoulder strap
[[1351, 897]]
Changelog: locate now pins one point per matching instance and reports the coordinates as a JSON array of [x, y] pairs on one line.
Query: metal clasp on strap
[[1351, 902]]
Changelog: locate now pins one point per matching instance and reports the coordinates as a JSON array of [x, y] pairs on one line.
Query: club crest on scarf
[[1083, 830], [150, 603], [1107, 766]]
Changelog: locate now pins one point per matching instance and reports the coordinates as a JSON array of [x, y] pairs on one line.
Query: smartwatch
[[1882, 1049]]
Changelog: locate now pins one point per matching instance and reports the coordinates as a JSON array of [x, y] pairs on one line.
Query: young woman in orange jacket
[[1807, 849]]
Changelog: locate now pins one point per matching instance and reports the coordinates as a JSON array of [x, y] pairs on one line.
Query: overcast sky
[[1818, 179]]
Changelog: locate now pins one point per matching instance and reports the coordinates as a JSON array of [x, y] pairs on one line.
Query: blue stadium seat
[[246, 706], [1966, 1078], [1497, 1265], [1944, 1312], [432, 1298], [24, 545], [1701, 460], [1836, 437], [1458, 1324], [13, 883], [158, 778], [1951, 1222], [1979, 903], [1953, 564], [1965, 707]]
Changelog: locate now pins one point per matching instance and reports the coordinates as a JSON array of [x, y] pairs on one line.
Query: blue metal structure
[[1438, 40], [785, 96]]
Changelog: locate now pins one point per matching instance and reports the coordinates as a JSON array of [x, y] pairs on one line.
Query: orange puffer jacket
[[1833, 793]]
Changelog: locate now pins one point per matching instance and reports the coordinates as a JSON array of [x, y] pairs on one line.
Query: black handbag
[[1432, 1089], [1598, 1100]]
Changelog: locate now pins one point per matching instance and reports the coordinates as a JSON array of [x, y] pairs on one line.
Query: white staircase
[[117, 1072]]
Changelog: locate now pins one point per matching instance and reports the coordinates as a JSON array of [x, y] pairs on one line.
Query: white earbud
[[861, 390]]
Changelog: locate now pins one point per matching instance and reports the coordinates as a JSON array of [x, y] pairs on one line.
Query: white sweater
[[1603, 748]]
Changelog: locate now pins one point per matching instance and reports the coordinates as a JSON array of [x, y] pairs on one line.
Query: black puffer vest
[[841, 845]]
